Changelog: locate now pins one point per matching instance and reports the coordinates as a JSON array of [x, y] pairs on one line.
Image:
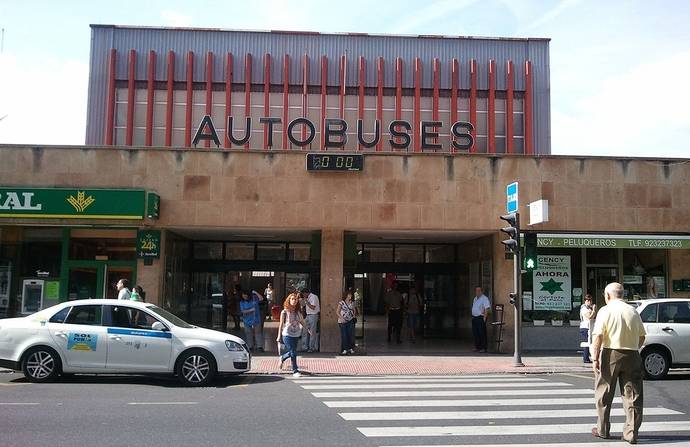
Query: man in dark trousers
[[616, 338], [480, 311], [393, 301]]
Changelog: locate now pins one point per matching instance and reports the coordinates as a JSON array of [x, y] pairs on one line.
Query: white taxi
[[667, 344], [117, 336]]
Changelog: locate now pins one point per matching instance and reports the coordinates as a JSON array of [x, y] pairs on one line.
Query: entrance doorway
[[597, 279], [97, 279]]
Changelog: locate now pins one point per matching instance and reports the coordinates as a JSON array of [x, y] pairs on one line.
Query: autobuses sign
[[335, 135]]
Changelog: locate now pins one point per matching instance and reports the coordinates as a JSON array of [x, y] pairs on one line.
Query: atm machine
[[32, 295]]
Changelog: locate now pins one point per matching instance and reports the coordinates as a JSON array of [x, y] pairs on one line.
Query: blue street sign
[[512, 197]]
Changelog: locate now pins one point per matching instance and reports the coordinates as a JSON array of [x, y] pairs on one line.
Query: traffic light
[[530, 259], [513, 230], [512, 298]]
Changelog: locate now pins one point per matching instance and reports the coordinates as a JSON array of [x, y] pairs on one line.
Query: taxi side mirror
[[158, 326]]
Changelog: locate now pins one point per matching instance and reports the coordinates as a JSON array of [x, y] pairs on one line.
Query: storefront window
[[299, 251], [103, 245], [602, 256], [270, 251], [439, 253], [553, 293], [377, 253], [239, 251], [644, 274], [208, 250], [409, 253]]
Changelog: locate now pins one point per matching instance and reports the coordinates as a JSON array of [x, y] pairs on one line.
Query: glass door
[[114, 273], [97, 279], [597, 279]]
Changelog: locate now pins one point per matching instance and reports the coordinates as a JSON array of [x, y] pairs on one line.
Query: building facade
[[163, 195]]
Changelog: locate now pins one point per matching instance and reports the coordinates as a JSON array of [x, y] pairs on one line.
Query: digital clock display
[[335, 162]]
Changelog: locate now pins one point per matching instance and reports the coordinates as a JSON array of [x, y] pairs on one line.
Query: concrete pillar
[[331, 287], [503, 285]]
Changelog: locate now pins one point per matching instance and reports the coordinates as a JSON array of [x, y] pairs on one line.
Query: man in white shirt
[[480, 311], [310, 339], [123, 292]]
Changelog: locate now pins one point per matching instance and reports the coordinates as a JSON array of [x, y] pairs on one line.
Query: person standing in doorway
[[122, 287], [290, 330], [413, 306], [252, 324], [347, 313], [616, 338], [480, 312], [268, 294], [393, 302], [311, 336], [588, 312]]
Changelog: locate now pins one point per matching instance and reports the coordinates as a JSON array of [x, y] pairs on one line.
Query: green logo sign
[[69, 203], [148, 244]]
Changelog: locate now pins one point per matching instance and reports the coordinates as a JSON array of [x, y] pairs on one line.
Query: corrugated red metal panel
[[286, 100], [473, 101], [130, 96], [529, 149], [169, 106], [491, 125], [324, 92], [343, 68], [379, 99], [209, 88], [437, 82], [151, 68], [417, 103], [190, 94], [453, 97], [510, 82], [228, 97], [362, 81], [110, 105], [267, 97], [398, 88], [247, 89], [305, 94]]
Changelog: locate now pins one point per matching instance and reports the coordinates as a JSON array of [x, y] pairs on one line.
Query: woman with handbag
[[290, 329], [347, 317]]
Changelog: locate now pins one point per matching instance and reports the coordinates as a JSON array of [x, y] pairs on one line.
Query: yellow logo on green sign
[[81, 202]]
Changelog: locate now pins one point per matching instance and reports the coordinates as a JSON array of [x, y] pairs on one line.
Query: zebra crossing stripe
[[511, 430], [609, 443], [488, 415], [399, 386], [456, 393], [421, 377], [419, 380], [460, 403]]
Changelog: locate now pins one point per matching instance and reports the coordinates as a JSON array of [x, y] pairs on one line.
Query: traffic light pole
[[517, 287]]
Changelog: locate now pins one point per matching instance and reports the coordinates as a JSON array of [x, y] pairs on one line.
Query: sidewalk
[[535, 363]]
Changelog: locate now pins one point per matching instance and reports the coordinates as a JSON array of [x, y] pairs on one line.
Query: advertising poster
[[82, 342], [552, 283]]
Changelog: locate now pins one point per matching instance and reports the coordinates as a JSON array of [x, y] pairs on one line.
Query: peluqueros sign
[[68, 203]]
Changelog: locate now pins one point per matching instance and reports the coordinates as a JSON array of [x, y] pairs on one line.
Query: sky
[[619, 69]]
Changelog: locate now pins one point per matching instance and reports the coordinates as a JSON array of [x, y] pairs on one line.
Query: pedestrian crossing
[[483, 410]]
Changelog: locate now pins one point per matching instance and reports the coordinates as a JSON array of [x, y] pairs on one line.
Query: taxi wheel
[[41, 364], [656, 364], [196, 367]]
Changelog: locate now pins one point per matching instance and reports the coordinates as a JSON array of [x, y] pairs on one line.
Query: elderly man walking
[[618, 334]]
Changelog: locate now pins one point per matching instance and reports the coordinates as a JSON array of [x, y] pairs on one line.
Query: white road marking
[[418, 376], [368, 386], [608, 443], [488, 415], [19, 403], [162, 403], [420, 379], [441, 393], [508, 430], [460, 403]]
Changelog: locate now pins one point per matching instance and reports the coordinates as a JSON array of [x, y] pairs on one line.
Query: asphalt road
[[257, 410]]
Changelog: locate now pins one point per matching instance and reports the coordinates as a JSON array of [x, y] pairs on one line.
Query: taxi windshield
[[171, 318]]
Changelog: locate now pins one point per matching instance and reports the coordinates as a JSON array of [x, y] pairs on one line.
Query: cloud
[[637, 113], [44, 100], [176, 19], [419, 18]]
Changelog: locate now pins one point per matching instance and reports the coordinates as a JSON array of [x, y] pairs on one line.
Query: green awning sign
[[612, 241], [72, 203]]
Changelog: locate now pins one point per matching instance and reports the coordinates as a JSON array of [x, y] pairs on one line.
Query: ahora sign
[[335, 133]]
